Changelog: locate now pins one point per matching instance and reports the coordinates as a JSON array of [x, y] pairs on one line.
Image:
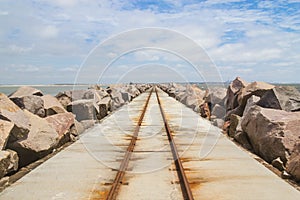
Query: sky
[[87, 41]]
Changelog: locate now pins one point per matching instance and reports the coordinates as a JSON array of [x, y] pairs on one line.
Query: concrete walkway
[[215, 167]]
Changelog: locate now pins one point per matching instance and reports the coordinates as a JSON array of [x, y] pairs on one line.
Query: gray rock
[[250, 102], [216, 95], [104, 107], [218, 122], [272, 133], [83, 109], [233, 88], [281, 97], [32, 103], [126, 96], [218, 111], [242, 138], [117, 99]]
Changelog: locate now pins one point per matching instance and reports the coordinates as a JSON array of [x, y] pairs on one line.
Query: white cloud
[[18, 49], [49, 32], [60, 33]]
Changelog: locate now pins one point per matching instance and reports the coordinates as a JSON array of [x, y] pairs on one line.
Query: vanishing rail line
[[124, 164], [184, 184], [185, 187]]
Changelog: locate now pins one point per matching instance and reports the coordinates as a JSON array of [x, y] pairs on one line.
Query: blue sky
[[46, 41]]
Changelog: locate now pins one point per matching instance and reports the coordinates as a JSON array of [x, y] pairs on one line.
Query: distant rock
[[250, 102], [218, 111], [104, 107], [52, 105], [216, 95], [272, 133], [242, 96], [83, 109], [281, 97], [32, 103], [25, 91], [231, 98]]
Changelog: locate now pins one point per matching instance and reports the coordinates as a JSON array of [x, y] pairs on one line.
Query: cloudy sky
[[61, 41]]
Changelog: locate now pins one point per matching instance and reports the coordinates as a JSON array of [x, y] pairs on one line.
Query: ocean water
[[46, 89], [55, 89]]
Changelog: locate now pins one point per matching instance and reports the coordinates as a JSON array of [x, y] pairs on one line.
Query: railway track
[[181, 177]]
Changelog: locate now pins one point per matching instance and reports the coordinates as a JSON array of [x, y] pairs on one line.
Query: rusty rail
[[184, 184], [121, 172]]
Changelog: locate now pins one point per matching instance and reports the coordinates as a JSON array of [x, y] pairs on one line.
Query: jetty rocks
[[33, 125], [263, 118]]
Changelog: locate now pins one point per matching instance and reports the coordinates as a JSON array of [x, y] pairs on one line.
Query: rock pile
[[263, 118], [208, 103], [32, 124]]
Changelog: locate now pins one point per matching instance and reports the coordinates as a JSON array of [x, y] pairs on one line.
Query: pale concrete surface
[[149, 176]]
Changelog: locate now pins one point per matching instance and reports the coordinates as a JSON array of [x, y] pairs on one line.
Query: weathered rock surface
[[41, 140], [216, 95], [8, 162], [250, 102], [234, 122], [272, 133], [32, 103], [11, 112], [242, 138], [233, 88], [293, 165], [52, 105], [281, 97], [116, 98], [25, 91], [5, 129], [61, 122], [218, 111], [218, 122], [83, 109], [63, 99], [104, 107], [242, 96]]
